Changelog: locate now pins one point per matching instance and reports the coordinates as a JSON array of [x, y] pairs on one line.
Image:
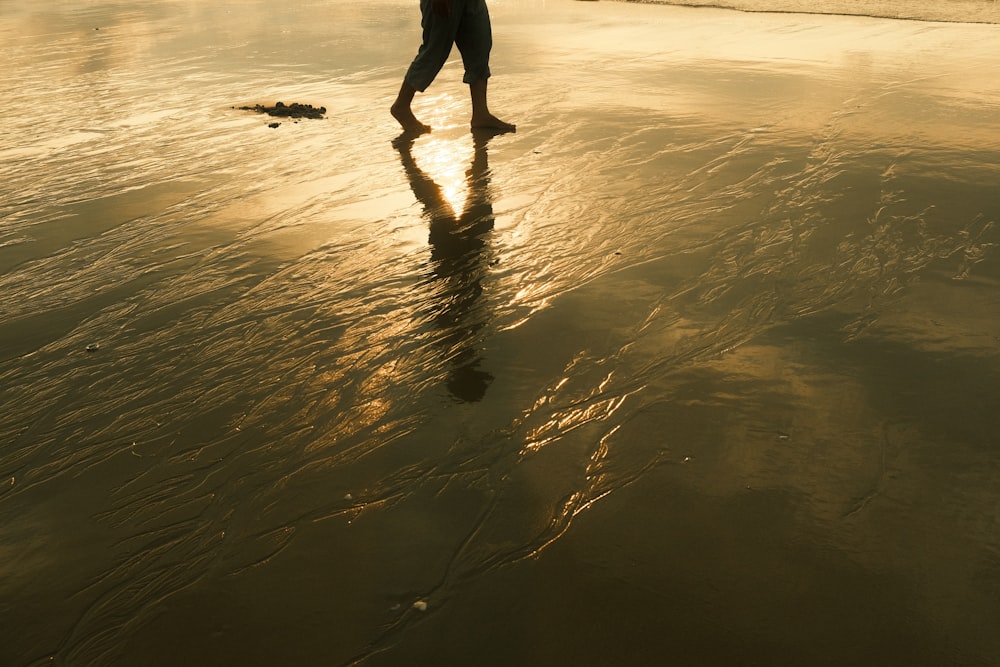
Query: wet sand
[[699, 367]]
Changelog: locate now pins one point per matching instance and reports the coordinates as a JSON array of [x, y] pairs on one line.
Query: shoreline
[[793, 7]]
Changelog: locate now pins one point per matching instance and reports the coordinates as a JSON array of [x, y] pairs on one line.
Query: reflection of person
[[466, 24], [459, 255]]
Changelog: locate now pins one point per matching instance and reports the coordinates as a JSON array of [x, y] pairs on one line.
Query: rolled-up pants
[[467, 26]]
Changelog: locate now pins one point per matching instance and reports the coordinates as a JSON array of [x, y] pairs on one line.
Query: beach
[[698, 367]]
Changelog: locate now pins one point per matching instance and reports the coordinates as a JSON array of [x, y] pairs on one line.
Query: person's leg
[[402, 111], [438, 37], [474, 39], [481, 116]]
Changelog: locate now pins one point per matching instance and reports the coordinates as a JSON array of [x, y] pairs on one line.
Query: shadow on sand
[[460, 261]]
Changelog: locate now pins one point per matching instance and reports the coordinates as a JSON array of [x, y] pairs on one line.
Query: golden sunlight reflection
[[736, 282], [367, 409], [445, 160]]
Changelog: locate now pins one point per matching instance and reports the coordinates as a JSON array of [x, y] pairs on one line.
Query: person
[[463, 23]]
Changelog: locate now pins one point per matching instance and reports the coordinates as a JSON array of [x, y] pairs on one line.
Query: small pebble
[[420, 605], [93, 347], [273, 124]]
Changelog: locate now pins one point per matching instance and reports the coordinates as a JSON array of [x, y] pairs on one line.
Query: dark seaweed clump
[[293, 110]]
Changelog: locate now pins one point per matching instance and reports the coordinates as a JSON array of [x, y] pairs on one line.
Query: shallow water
[[699, 366], [952, 11]]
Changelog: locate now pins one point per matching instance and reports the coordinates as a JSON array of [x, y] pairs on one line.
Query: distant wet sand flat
[[698, 367]]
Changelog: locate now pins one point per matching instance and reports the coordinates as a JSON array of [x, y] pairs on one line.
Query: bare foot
[[405, 116], [490, 122]]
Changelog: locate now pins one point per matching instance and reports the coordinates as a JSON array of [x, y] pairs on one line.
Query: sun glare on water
[[445, 161]]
